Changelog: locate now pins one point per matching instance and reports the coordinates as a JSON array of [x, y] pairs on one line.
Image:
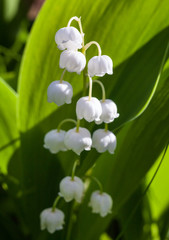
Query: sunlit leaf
[[115, 39], [8, 129], [139, 145]]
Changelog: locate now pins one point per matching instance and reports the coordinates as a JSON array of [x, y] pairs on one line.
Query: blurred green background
[[135, 34]]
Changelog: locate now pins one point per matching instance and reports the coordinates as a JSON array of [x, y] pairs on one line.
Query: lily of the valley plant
[[78, 139]]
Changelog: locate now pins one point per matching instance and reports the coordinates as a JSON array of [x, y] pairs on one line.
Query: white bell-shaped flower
[[109, 111], [100, 65], [51, 220], [73, 61], [60, 92], [101, 203], [89, 109], [54, 141], [78, 141], [104, 140], [72, 189], [68, 38]]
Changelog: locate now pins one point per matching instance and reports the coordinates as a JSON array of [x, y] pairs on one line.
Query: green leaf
[[8, 129], [139, 145], [158, 193], [42, 171], [139, 91], [133, 219], [41, 58], [163, 224]]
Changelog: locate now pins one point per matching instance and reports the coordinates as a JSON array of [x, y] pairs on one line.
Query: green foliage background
[[135, 34]]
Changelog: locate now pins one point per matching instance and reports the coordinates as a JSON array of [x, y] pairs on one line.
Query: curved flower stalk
[[89, 107], [52, 219], [109, 108], [54, 139]]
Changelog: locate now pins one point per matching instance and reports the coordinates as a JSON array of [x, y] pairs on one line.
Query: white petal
[[101, 203], [60, 93], [73, 61], [68, 37], [100, 65], [109, 111], [71, 189], [78, 141], [104, 140], [90, 110], [54, 141], [52, 220]]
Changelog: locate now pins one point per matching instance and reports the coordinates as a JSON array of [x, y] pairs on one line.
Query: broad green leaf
[[139, 86], [134, 216], [163, 224], [8, 130], [41, 171], [152, 54], [139, 145], [41, 58], [41, 174], [158, 193]]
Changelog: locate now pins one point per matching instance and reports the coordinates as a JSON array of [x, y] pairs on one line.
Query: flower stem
[[72, 18], [106, 127], [90, 88], [63, 73], [95, 43], [103, 89], [76, 163], [71, 221], [77, 125], [84, 81], [55, 203], [64, 121], [80, 26], [97, 182]]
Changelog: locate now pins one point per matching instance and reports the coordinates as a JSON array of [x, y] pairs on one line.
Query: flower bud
[[72, 189], [73, 61], [103, 140], [60, 92], [51, 220], [90, 110], [79, 140], [109, 111], [101, 203], [68, 37], [54, 141], [100, 65]]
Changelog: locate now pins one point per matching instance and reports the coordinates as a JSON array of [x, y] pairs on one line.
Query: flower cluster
[[73, 59]]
